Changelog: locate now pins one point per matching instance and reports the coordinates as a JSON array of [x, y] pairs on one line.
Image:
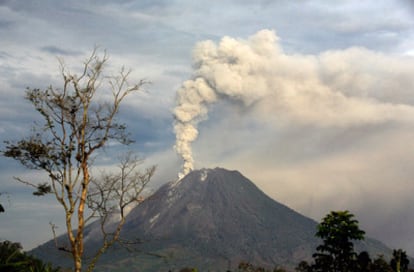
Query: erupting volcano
[[211, 219]]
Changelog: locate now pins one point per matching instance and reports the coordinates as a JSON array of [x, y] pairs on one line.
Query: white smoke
[[335, 88]]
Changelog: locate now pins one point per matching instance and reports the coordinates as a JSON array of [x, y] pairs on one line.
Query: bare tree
[[112, 195], [78, 122]]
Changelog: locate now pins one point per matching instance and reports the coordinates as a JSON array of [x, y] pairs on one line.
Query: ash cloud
[[342, 88]]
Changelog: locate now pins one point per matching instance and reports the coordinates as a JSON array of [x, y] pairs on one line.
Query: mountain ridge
[[213, 219]]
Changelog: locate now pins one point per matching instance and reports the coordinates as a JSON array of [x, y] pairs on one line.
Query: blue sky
[[331, 129]]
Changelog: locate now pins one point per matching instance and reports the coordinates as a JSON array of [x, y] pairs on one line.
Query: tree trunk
[[78, 263], [81, 219]]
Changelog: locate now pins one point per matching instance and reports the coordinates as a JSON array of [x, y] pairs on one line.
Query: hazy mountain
[[211, 219]]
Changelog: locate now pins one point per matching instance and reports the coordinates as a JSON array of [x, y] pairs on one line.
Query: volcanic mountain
[[211, 219]]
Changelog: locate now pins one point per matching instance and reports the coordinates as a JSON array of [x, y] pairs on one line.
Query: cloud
[[58, 51], [362, 73], [331, 89]]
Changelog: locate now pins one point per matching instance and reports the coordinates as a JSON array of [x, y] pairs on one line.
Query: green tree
[[13, 259], [399, 261], [337, 230], [10, 256], [80, 118]]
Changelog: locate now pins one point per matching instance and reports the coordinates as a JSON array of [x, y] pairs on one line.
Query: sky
[[311, 100]]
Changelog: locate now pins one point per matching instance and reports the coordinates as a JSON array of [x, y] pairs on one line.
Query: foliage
[[380, 265], [12, 259], [364, 262], [79, 121], [303, 266], [248, 267], [399, 261], [337, 230]]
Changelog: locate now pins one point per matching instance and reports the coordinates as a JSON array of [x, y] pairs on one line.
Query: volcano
[[222, 216], [211, 219]]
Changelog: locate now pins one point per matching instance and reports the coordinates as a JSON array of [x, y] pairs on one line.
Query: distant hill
[[211, 219]]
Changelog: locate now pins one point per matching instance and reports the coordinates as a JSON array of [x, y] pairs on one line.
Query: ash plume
[[335, 88], [192, 99]]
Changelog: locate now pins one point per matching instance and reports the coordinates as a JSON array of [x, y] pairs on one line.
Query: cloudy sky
[[311, 100]]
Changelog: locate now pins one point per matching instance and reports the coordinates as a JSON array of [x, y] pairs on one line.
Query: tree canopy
[[337, 230], [13, 259]]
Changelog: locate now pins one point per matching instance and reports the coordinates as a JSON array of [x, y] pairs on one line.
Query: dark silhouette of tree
[[80, 118], [399, 261], [337, 230], [364, 262], [380, 265], [248, 267], [303, 266], [13, 259]]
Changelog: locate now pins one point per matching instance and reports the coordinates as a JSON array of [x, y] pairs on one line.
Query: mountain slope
[[213, 219], [222, 213]]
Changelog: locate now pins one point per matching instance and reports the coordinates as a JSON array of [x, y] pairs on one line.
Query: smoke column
[[214, 67], [335, 88], [192, 101]]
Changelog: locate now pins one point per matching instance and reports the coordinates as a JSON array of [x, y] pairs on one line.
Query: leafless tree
[[113, 195], [78, 122]]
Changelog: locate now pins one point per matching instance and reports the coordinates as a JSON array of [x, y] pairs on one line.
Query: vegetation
[[338, 230], [399, 262], [248, 267], [79, 120], [12, 259]]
